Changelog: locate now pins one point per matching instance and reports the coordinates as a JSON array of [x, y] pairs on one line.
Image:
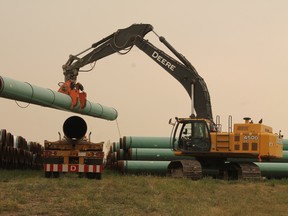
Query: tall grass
[[29, 193]]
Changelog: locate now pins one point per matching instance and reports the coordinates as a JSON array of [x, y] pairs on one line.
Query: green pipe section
[[158, 142], [153, 167], [268, 170], [281, 160], [145, 154], [275, 160], [143, 167], [145, 142], [285, 144], [25, 92], [273, 170]]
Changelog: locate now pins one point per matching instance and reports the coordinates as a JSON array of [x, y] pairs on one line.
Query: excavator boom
[[116, 42], [123, 40]]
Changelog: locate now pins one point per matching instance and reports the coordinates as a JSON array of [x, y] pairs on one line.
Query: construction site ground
[[29, 193]]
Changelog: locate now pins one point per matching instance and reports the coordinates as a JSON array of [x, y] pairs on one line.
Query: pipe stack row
[[17, 153], [151, 155], [141, 155]]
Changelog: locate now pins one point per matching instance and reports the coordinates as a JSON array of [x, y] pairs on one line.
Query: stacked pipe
[[151, 155], [17, 153], [141, 155]]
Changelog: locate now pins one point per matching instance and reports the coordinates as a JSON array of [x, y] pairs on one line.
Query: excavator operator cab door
[[191, 135]]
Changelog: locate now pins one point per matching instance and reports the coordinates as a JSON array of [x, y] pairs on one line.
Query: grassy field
[[29, 193]]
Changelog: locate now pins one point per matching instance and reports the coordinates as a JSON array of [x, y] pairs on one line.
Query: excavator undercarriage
[[185, 168], [240, 170], [228, 171]]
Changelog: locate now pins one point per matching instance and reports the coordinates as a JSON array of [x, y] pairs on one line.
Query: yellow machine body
[[248, 139], [251, 140]]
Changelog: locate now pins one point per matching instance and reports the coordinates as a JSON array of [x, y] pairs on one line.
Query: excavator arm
[[124, 40], [182, 71]]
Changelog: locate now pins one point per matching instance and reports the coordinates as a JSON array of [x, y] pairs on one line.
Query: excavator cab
[[191, 135]]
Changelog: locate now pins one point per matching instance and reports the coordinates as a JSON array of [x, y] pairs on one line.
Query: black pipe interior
[[74, 127]]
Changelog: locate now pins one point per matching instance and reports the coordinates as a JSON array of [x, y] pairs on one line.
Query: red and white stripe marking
[[72, 168]]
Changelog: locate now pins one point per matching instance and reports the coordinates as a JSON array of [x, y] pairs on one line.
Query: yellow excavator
[[198, 135]]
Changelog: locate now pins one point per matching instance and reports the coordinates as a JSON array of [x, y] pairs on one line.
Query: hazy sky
[[240, 48]]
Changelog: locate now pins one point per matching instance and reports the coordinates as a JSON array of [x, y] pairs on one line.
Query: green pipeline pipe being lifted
[[25, 92]]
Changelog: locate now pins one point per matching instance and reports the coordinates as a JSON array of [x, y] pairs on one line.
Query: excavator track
[[241, 171], [185, 169], [250, 171]]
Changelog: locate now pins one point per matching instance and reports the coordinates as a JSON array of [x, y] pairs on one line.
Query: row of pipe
[[141, 155], [17, 153], [151, 155], [128, 147]]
